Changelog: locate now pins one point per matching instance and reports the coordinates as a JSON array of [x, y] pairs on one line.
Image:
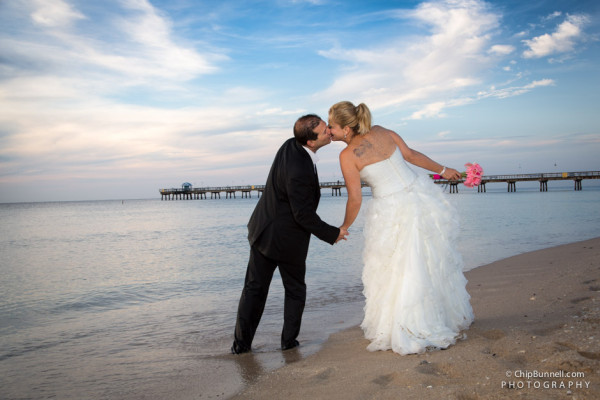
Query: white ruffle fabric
[[413, 279]]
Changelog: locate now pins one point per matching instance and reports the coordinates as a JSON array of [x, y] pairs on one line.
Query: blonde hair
[[357, 118]]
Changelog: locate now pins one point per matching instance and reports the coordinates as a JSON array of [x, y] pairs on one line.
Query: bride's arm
[[421, 160], [353, 186]]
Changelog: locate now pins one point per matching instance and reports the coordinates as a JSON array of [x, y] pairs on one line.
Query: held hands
[[451, 174], [343, 233]]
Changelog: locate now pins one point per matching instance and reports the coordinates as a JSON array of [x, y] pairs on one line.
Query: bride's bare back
[[376, 145]]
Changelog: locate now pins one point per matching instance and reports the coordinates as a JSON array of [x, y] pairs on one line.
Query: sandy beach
[[535, 336]]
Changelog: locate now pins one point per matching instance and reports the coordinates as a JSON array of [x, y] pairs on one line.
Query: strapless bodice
[[388, 176]]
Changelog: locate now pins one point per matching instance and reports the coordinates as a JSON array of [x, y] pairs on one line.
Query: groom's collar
[[312, 155]]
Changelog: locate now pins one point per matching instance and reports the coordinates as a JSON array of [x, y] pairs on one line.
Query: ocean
[[136, 299]]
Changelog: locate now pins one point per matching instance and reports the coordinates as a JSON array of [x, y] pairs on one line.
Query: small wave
[[120, 297], [34, 346]]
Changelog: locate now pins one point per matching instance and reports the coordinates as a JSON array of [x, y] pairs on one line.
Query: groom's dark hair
[[303, 128]]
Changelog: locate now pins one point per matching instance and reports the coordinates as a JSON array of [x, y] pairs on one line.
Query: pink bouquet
[[474, 172]]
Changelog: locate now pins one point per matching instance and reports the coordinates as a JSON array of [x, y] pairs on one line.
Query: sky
[[116, 99]]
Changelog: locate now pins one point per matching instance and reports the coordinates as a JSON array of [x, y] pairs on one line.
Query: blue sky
[[115, 99]]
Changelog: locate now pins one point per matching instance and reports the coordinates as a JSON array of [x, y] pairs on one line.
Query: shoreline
[[536, 313]]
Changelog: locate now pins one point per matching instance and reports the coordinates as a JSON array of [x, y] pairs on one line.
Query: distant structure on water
[[188, 192]]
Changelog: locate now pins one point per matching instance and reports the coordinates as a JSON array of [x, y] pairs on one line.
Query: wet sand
[[536, 335]]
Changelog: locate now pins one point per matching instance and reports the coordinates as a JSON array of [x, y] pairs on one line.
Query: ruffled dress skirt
[[415, 289]]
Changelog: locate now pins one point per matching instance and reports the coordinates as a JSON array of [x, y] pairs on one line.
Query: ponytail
[[363, 116]]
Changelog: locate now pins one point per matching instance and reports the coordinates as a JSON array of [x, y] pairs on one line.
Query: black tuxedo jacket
[[286, 214]]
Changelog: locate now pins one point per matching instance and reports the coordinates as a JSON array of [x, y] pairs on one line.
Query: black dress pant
[[254, 296]]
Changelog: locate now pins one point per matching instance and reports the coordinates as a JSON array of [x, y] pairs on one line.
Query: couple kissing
[[414, 287]]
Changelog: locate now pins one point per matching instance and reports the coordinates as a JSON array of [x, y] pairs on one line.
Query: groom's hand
[[343, 233]]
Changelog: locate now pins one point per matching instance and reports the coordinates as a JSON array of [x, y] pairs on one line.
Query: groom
[[279, 232]]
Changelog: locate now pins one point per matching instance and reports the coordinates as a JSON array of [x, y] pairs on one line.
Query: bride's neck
[[349, 138]]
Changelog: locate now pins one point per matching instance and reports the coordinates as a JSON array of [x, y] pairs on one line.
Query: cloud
[[560, 41], [61, 90], [313, 2], [446, 58], [516, 90], [443, 67], [103, 138], [130, 44], [120, 89], [55, 13], [68, 97], [435, 109], [554, 15], [430, 110], [159, 54], [501, 49], [279, 111]]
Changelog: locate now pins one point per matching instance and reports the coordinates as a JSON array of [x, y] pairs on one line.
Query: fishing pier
[[187, 192]]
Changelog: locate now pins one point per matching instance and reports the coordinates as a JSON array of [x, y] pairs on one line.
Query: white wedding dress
[[413, 280]]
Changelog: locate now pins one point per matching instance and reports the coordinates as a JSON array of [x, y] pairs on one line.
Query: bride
[[413, 281]]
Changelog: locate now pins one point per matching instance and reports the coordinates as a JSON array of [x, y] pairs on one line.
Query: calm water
[[137, 299]]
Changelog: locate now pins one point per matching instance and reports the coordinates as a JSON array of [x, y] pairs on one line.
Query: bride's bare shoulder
[[347, 152], [384, 135], [380, 129]]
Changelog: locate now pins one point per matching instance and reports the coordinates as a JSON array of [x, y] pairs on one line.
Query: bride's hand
[[452, 175], [343, 233]]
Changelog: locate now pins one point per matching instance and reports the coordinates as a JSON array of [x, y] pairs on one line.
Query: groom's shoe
[[236, 349], [291, 345]]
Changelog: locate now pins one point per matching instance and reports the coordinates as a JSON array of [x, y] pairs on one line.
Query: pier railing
[[336, 187]]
